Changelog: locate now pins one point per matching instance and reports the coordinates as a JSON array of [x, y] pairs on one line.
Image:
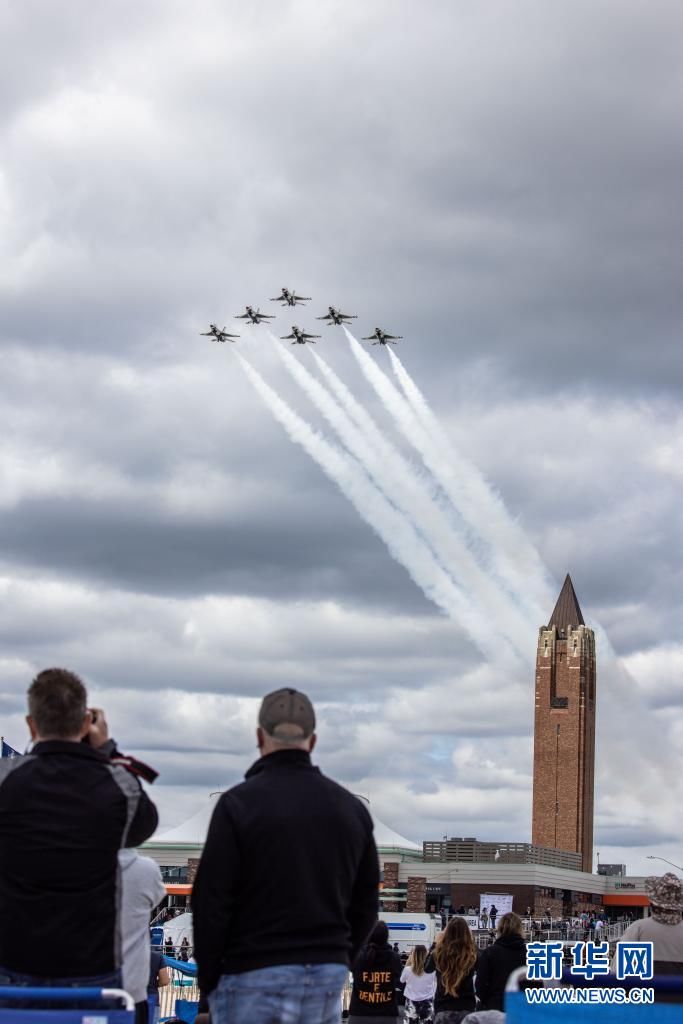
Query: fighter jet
[[380, 337], [300, 337], [335, 317], [254, 316], [216, 335], [288, 298]]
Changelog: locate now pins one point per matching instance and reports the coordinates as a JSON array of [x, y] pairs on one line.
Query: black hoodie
[[376, 974], [495, 966]]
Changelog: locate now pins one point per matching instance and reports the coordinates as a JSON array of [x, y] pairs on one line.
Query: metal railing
[[608, 933]]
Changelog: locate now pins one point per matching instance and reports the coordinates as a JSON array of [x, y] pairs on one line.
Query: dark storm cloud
[[125, 547]]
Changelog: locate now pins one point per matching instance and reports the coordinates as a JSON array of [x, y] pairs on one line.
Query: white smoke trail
[[653, 789], [525, 564], [476, 505], [395, 477], [354, 408], [400, 537], [413, 395], [649, 799]]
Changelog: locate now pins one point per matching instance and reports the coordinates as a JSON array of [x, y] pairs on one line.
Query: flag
[[8, 751]]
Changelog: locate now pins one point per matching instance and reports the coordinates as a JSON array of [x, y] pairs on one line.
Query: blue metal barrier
[[93, 997], [180, 965]]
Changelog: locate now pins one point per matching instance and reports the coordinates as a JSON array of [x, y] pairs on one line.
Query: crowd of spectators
[[285, 897]]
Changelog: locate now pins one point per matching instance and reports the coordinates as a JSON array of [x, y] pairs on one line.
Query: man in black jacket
[[65, 811], [286, 889]]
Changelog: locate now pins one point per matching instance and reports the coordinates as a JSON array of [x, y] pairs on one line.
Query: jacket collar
[[282, 759], [512, 941], [69, 747]]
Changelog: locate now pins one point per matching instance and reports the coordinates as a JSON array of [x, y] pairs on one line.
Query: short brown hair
[[510, 924], [57, 703]]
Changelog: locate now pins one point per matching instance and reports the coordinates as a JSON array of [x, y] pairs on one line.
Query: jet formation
[[298, 336]]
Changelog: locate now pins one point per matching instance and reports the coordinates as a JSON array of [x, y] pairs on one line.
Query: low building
[[415, 883], [611, 869], [444, 885], [469, 850]]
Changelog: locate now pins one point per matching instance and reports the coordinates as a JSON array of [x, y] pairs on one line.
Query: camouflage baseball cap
[[665, 891], [287, 715]]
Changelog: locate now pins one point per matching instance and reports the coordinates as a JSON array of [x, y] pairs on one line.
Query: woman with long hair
[[376, 974], [419, 987], [498, 962], [454, 960]]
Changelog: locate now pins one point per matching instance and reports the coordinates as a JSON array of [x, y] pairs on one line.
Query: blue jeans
[[288, 994]]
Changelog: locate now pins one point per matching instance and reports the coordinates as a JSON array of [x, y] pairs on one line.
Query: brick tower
[[564, 731]]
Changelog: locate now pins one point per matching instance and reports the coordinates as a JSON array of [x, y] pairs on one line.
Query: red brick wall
[[416, 895], [564, 742], [390, 882]]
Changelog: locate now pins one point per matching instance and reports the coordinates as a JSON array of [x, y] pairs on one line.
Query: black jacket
[[443, 1000], [65, 811], [376, 973], [289, 873], [495, 966]]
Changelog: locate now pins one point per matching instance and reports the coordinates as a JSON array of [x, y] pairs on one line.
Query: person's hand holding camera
[[98, 733]]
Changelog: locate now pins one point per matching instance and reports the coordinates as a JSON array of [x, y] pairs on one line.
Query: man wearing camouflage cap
[[286, 889], [664, 928]]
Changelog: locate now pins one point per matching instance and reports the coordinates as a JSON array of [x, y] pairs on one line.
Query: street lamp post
[[651, 856]]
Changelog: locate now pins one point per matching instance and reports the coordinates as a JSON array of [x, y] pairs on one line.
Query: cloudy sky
[[500, 184]]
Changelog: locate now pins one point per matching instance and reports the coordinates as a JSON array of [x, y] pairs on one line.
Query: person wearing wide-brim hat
[[664, 928]]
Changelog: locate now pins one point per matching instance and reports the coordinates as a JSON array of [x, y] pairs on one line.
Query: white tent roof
[[193, 831], [385, 837]]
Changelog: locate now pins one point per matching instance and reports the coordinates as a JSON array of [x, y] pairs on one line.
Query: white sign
[[502, 901]]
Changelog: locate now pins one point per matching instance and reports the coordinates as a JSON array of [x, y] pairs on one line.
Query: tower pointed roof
[[567, 611]]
